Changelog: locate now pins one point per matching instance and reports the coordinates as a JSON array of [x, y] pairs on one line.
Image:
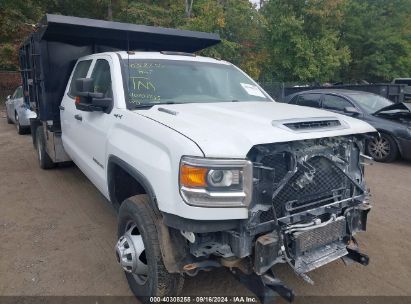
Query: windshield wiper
[[150, 105]]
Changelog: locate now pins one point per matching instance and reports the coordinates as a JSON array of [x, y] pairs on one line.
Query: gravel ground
[[57, 234]]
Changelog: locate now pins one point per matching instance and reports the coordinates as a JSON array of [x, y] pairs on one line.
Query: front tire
[[20, 129], [143, 264], [9, 121], [45, 161], [382, 148]]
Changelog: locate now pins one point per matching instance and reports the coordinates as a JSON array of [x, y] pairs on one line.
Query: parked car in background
[[18, 112], [392, 120], [407, 89]]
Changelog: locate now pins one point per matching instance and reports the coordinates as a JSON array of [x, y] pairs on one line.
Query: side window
[[19, 92], [15, 94], [102, 78], [309, 100], [336, 103], [80, 72]]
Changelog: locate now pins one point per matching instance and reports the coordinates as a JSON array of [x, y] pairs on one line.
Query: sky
[[255, 2]]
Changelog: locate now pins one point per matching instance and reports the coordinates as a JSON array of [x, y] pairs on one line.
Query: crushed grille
[[318, 124], [279, 162], [266, 216], [328, 183]]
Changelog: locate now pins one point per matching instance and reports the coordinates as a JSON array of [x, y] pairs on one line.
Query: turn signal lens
[[77, 100], [193, 176]]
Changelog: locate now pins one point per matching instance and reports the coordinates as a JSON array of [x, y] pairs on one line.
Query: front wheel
[[9, 121], [138, 251], [382, 148], [20, 129]]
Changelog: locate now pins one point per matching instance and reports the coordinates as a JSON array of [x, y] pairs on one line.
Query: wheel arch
[[390, 134], [142, 185]]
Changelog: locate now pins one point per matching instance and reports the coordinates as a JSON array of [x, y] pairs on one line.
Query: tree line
[[282, 40]]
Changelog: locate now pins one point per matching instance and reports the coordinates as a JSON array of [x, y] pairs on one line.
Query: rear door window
[[335, 103], [80, 71], [309, 100]]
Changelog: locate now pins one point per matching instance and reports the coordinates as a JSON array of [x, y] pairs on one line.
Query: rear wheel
[[138, 251], [45, 161], [382, 148]]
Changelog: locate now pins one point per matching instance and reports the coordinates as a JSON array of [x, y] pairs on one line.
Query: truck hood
[[231, 129]]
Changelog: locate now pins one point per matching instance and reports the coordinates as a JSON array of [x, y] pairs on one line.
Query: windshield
[[153, 82], [371, 103]]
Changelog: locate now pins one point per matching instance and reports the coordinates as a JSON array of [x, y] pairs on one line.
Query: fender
[[138, 176]]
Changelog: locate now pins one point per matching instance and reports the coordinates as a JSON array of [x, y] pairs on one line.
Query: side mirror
[[352, 111], [104, 103], [87, 99], [84, 86]]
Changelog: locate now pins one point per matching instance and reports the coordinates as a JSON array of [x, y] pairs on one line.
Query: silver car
[[18, 112]]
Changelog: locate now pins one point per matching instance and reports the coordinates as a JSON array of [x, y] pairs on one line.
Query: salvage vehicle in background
[[407, 86], [204, 168], [392, 120], [18, 111]]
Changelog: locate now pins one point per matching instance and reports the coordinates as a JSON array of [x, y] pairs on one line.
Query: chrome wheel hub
[[131, 254], [379, 148]]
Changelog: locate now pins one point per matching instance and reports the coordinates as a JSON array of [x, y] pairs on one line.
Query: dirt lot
[[57, 235]]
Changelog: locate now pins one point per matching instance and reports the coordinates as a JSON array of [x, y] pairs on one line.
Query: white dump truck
[[205, 169]]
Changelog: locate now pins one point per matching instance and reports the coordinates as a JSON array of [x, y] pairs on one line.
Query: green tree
[[239, 25], [304, 39], [378, 34]]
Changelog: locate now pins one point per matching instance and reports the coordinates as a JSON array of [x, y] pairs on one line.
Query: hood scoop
[[311, 124]]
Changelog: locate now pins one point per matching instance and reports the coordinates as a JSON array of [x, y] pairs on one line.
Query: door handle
[[61, 108], [78, 117]]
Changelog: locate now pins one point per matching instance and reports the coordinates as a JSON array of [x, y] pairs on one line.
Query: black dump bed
[[48, 55]]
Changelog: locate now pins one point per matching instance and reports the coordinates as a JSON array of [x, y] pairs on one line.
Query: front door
[[95, 126], [70, 125], [10, 104]]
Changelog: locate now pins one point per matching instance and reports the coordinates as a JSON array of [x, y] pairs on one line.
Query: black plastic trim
[[138, 176], [198, 226]]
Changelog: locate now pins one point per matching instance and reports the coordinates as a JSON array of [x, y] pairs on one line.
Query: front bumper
[[308, 249]]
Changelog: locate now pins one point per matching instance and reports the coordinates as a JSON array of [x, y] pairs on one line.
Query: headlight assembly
[[209, 182]]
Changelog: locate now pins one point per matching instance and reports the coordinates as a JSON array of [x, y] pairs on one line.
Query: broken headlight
[[210, 182]]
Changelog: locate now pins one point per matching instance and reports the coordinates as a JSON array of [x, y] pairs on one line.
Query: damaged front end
[[311, 196], [309, 199]]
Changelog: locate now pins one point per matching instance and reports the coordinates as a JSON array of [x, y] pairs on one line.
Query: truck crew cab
[[204, 168]]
